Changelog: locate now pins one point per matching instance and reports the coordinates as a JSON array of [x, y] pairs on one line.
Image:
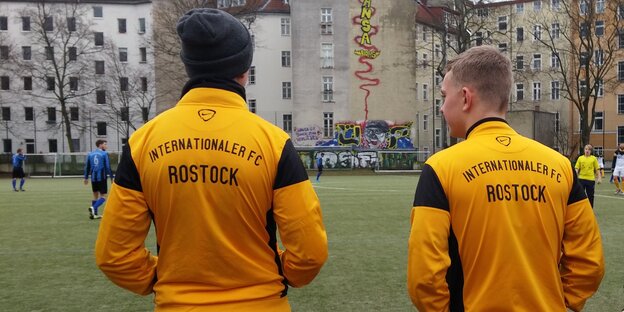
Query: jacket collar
[[490, 124], [212, 97]]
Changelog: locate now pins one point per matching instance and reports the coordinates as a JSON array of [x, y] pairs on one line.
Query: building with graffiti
[[358, 94]]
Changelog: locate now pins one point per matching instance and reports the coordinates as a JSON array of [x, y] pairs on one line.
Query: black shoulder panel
[[429, 192], [290, 169], [127, 174]]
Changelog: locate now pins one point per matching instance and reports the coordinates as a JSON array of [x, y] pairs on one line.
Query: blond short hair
[[486, 70]]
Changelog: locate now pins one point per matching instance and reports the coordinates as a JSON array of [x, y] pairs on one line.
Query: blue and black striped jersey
[[97, 166]]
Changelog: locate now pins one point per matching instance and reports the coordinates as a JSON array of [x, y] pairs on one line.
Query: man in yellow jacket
[[499, 221], [219, 183], [588, 171]]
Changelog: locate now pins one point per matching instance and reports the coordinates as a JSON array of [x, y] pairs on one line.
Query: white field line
[[356, 189]]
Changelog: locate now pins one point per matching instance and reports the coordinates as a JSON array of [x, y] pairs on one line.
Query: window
[[27, 83], [620, 71], [502, 23], [285, 58], [438, 133], [598, 121], [554, 60], [519, 7], [554, 90], [583, 30], [30, 146], [143, 53], [29, 114], [98, 11], [482, 12], [285, 26], [519, 62], [416, 90], [286, 90], [51, 114], [537, 90], [26, 53], [121, 25], [502, 47], [48, 23], [145, 114], [6, 113], [620, 39], [425, 92], [328, 89], [8, 146], [53, 145], [100, 96], [599, 88], [583, 7], [438, 103], [73, 53], [74, 114], [620, 103], [583, 86], [252, 75], [144, 84], [555, 30], [555, 4], [4, 83], [25, 23], [99, 39], [71, 24], [4, 23], [99, 67], [620, 134], [326, 21], [50, 83], [4, 52], [123, 55], [600, 6], [141, 25], [252, 105], [600, 28], [49, 53], [124, 113], [537, 62], [327, 55], [73, 83], [425, 120], [478, 38], [287, 122], [599, 57], [519, 34], [123, 84], [519, 91], [537, 32], [557, 122], [101, 128], [584, 58], [328, 125], [537, 5], [438, 51]]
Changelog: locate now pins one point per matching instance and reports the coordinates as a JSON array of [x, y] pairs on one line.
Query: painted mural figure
[[375, 134]]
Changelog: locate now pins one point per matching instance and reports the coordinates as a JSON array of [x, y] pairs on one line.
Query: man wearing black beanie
[[218, 182]]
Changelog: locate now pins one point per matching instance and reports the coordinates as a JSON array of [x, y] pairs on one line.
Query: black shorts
[[99, 186], [320, 168], [18, 173]]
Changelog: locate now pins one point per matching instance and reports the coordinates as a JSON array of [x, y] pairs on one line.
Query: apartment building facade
[[81, 68]]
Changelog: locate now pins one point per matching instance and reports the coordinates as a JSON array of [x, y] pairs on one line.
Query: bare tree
[[583, 37], [171, 76], [67, 39], [130, 101]]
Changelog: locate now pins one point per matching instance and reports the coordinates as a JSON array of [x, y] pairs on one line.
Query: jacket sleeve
[[428, 259], [582, 262], [120, 247], [298, 216]]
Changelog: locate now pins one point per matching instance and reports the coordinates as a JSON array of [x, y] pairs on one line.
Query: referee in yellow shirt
[[588, 171]]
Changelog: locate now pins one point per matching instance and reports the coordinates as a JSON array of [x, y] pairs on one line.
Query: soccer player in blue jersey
[[18, 170], [319, 166], [98, 166]]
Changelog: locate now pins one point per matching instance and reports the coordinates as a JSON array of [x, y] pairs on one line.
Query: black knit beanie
[[214, 44]]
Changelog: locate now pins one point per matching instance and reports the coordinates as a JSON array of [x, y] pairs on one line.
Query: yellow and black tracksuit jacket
[[500, 223], [218, 182]]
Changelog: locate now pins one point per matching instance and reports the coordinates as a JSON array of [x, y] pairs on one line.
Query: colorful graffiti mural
[[357, 159], [366, 51], [372, 134]]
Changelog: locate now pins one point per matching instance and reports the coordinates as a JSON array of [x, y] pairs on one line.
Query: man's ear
[[468, 98]]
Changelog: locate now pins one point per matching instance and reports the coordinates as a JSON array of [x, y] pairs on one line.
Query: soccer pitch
[[47, 240]]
